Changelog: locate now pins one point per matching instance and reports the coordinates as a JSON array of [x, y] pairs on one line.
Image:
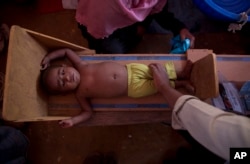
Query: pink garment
[[103, 17]]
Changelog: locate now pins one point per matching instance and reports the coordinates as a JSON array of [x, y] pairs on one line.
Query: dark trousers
[[13, 146], [120, 42], [125, 39]]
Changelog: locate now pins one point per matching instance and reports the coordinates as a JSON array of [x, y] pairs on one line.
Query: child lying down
[[100, 80]]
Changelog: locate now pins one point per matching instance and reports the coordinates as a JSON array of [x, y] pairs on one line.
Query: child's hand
[[45, 63], [66, 123]]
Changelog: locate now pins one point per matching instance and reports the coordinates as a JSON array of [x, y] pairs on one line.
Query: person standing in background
[[117, 26]]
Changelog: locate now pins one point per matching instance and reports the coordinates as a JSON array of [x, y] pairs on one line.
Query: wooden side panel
[[23, 97], [24, 101], [204, 77]]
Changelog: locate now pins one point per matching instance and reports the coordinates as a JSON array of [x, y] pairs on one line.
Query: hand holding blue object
[[179, 46]]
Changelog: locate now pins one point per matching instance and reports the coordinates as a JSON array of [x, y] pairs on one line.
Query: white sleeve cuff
[[176, 122]]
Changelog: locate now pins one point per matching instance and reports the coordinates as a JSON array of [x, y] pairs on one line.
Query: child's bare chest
[[105, 80]]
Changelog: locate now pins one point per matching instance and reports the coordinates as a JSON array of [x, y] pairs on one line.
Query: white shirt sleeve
[[214, 128]]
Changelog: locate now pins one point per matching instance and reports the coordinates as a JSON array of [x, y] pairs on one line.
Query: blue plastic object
[[225, 10], [179, 46]]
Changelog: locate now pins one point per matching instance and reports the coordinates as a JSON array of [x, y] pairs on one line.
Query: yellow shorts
[[140, 79]]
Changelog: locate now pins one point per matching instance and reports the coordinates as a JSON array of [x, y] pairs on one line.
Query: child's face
[[63, 79]]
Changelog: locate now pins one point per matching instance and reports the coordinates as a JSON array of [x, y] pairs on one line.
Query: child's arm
[[83, 116], [65, 52]]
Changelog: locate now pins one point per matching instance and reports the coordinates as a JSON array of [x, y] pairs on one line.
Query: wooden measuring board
[[67, 105], [25, 101]]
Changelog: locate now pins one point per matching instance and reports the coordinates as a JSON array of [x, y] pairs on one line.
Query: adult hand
[[185, 34], [162, 84], [160, 76]]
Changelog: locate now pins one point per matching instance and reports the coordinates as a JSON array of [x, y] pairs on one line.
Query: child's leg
[[186, 85], [183, 78], [119, 42], [185, 74]]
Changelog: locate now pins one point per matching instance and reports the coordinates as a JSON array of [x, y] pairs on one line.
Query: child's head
[[60, 79]]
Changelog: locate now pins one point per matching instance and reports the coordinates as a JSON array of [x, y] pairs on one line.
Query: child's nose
[[66, 77]]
